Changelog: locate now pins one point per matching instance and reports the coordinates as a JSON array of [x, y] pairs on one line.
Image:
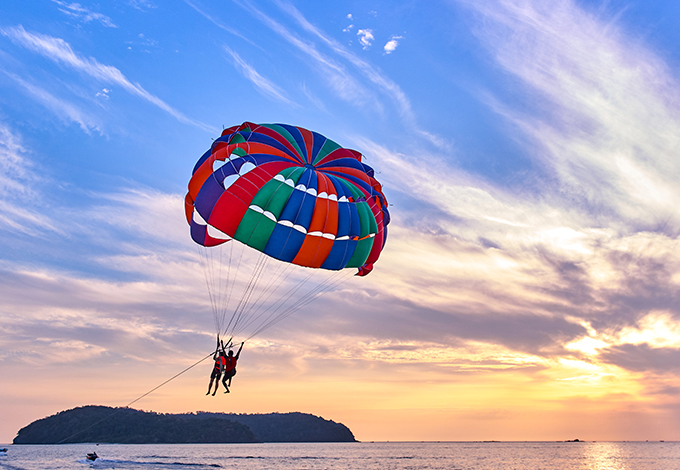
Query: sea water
[[354, 456]]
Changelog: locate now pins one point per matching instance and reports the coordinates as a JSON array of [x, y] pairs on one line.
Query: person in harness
[[220, 358], [230, 367]]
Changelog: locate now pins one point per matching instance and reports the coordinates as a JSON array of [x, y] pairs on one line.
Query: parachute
[[266, 199]]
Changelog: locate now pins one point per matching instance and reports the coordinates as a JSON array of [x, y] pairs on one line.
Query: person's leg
[[210, 386]]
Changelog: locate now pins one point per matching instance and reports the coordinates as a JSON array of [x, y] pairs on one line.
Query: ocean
[[354, 456]]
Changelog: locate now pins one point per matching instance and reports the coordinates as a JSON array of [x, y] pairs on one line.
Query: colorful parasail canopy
[[291, 194]]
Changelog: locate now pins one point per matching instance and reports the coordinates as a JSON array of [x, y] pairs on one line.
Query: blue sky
[[529, 152]]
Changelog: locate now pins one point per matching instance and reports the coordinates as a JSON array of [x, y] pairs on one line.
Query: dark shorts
[[230, 373], [215, 374]]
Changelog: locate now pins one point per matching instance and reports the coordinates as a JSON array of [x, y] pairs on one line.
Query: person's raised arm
[[217, 348], [239, 349]]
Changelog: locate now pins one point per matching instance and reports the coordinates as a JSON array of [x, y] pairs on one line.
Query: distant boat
[[92, 456]]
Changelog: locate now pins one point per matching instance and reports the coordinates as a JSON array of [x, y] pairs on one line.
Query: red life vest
[[221, 360], [230, 364]]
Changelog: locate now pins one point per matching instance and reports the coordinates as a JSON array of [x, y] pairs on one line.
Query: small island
[[129, 426]]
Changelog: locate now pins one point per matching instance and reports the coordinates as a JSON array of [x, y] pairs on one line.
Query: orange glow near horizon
[[416, 396]]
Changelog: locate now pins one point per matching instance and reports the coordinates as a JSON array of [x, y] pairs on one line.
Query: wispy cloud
[[140, 211], [374, 75], [18, 197], [596, 250], [142, 5], [217, 23], [13, 165], [384, 83], [611, 138], [486, 265], [143, 308], [315, 100], [60, 51], [344, 85], [80, 13], [63, 309], [61, 108], [265, 86]]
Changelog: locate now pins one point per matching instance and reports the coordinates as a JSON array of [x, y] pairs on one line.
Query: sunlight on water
[[351, 456], [605, 456]]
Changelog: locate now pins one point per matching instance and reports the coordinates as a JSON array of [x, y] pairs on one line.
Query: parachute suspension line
[[320, 290], [221, 271], [228, 285], [329, 284], [212, 264], [135, 400], [217, 312], [231, 285], [280, 303], [276, 279], [255, 275], [220, 292], [206, 264], [217, 285], [244, 294]]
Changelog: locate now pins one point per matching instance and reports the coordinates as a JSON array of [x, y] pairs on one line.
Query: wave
[[113, 463]]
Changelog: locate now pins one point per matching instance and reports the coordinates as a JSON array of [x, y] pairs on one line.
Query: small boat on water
[[92, 456]]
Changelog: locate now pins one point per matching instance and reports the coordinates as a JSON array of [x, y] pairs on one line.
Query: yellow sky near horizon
[[482, 393]]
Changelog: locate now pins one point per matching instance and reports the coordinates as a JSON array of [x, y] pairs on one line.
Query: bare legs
[[217, 385], [227, 377]]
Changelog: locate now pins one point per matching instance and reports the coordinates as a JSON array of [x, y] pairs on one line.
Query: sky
[[529, 288]]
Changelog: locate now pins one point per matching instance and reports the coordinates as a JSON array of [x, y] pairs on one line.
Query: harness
[[220, 362]]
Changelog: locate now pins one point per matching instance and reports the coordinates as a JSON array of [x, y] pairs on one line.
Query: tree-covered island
[[129, 426]]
